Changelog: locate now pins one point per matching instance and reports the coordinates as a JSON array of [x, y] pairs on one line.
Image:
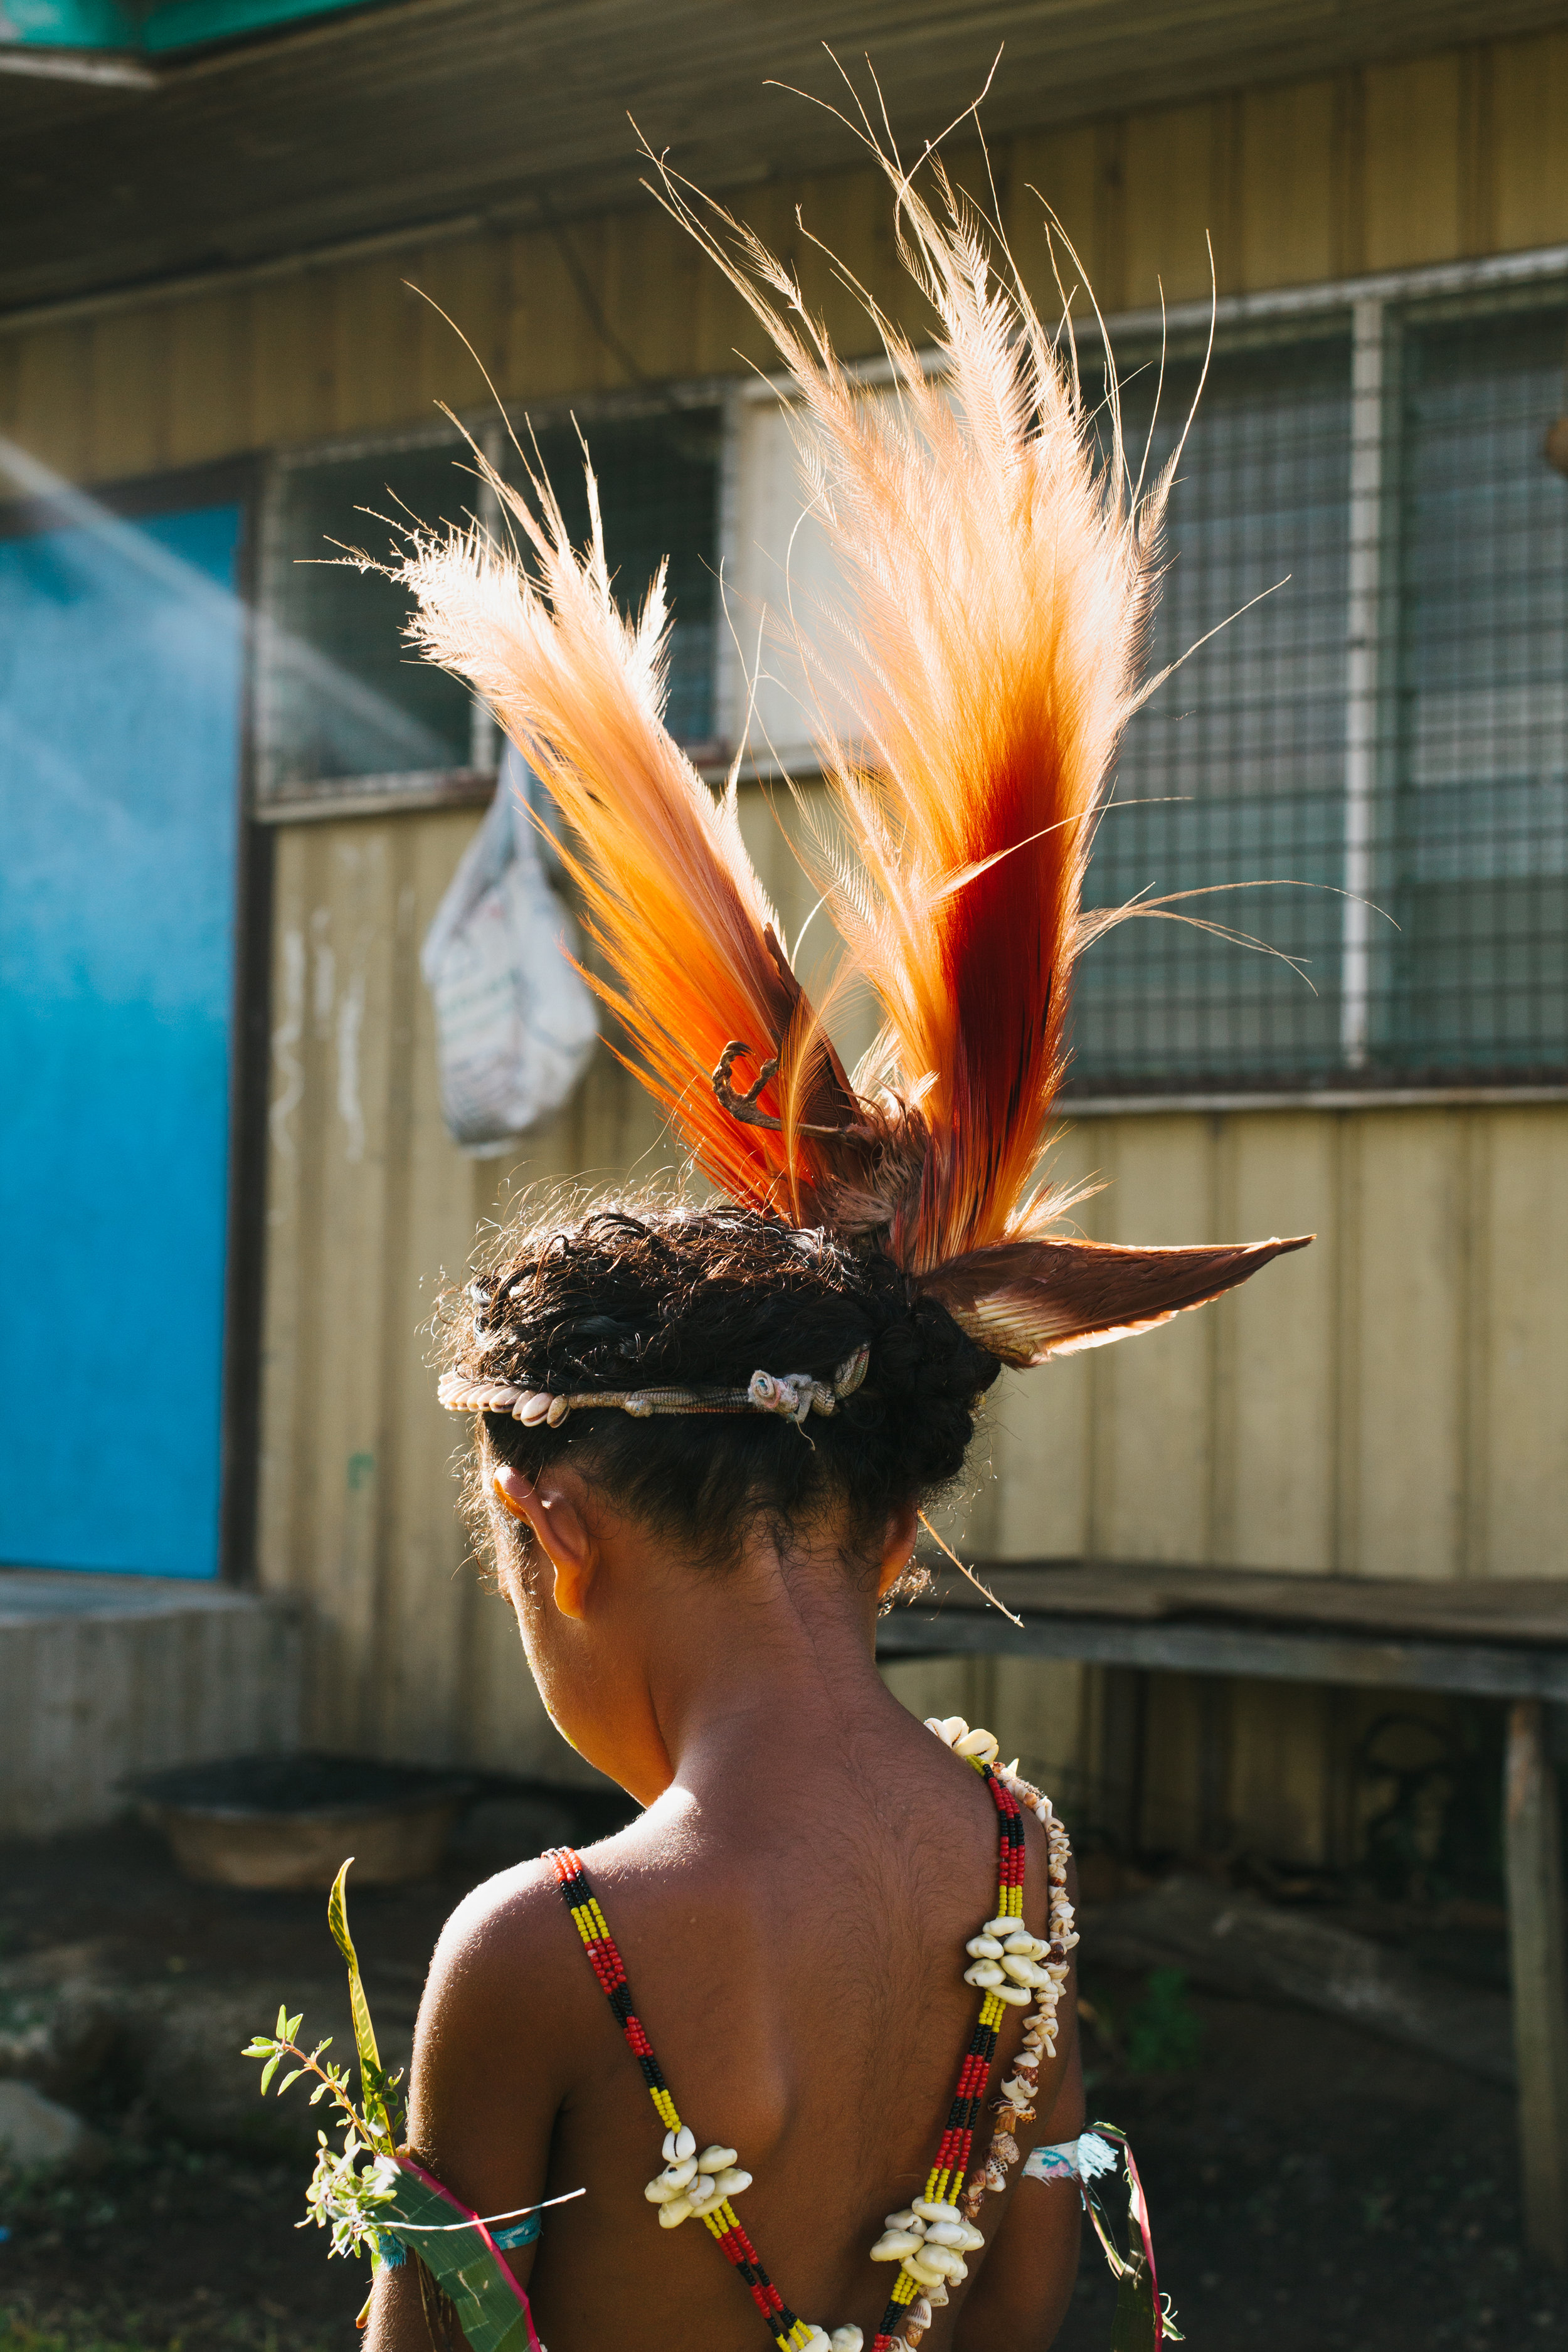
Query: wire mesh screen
[[1391, 722], [1472, 854], [1233, 773], [340, 695]]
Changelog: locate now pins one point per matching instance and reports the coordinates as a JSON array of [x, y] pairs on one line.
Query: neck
[[773, 1659]]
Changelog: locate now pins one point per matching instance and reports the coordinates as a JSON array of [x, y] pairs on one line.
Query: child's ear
[[898, 1549], [550, 1508]]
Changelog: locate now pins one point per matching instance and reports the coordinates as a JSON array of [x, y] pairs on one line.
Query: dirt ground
[[1311, 2187]]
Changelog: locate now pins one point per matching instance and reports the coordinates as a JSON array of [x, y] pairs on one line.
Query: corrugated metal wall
[[1391, 1402]]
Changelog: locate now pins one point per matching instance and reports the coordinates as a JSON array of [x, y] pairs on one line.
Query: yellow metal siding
[[1394, 1402]]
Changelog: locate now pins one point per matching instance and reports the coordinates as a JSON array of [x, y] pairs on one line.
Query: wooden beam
[[1184, 1647], [1532, 1844]]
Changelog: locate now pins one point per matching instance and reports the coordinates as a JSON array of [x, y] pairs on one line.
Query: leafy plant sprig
[[347, 2198]]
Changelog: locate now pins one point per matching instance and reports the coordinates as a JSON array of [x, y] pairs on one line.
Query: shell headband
[[793, 1396]]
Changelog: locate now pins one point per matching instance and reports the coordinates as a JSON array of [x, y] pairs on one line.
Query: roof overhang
[[364, 121]]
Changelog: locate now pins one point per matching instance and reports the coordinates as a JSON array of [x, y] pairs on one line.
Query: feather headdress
[[1000, 576]]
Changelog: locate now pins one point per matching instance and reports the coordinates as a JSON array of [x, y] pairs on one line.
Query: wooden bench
[[1500, 1639]]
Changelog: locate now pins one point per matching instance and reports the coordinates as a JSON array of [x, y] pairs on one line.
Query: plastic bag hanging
[[515, 1024]]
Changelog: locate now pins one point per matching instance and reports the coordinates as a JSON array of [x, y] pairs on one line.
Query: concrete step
[[105, 1675]]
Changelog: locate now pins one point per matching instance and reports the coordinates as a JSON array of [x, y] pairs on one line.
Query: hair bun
[[708, 1298]]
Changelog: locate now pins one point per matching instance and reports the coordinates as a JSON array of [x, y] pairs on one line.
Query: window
[[345, 708], [1390, 725]]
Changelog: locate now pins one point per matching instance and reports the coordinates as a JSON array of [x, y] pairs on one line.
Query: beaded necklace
[[930, 2238]]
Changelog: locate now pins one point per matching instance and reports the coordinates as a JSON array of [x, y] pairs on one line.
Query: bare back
[[793, 1918]]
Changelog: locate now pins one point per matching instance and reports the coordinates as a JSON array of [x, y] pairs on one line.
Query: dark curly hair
[[677, 1298]]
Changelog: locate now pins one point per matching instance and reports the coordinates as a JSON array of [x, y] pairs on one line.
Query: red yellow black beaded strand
[[722, 2220]]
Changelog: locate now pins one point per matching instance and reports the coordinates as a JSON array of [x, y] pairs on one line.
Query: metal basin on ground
[[293, 1821]]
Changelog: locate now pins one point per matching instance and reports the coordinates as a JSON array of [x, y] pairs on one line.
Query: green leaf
[[294, 2025], [260, 2048], [270, 2070], [281, 2027], [1132, 2327], [372, 2076], [319, 2091], [294, 2077]]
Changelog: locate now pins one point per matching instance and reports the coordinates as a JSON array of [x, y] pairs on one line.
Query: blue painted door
[[120, 655]]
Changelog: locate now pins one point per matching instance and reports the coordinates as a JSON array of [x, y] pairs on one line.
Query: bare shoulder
[[508, 1924], [504, 2005]]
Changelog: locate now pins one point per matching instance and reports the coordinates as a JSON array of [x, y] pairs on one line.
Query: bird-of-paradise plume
[[1000, 569]]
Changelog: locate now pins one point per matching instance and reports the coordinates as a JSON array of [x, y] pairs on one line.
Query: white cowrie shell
[[1025, 1972], [702, 2192], [676, 2176], [847, 2339], [982, 1746], [921, 2272], [948, 2234], [894, 2245], [920, 2310], [658, 2194], [716, 2158], [930, 2209], [1018, 1996], [1020, 1940], [986, 1974], [937, 2295], [731, 2180], [558, 1409], [671, 2216], [951, 1729], [905, 2220], [983, 1947], [1003, 1926], [533, 1410], [679, 2144], [946, 2263]]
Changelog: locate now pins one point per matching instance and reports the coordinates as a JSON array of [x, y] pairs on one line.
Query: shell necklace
[[929, 2239]]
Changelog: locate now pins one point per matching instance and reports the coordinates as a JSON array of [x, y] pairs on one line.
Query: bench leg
[[1532, 1849]]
